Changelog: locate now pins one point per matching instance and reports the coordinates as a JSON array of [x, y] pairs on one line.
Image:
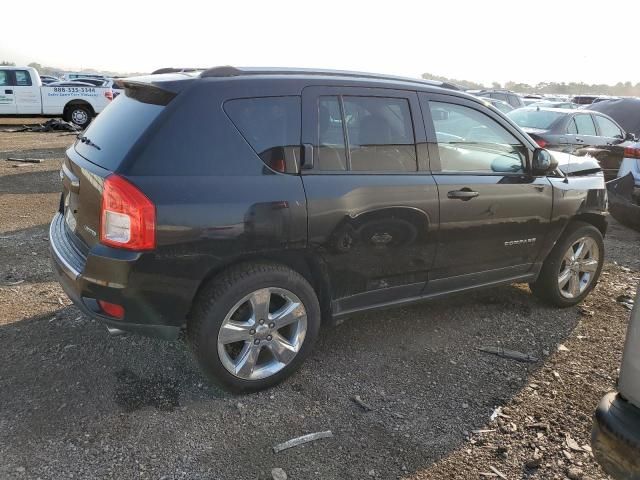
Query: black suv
[[248, 206]]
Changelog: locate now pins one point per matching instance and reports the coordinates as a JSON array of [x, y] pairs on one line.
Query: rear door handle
[[464, 194], [8, 91], [307, 159]]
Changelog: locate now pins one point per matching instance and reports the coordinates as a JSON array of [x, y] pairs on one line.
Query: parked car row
[[506, 96], [579, 132]]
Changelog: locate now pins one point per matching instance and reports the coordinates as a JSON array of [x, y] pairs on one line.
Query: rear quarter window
[[271, 126]]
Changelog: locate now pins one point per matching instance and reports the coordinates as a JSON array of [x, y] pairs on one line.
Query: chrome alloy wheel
[[262, 333], [578, 267]]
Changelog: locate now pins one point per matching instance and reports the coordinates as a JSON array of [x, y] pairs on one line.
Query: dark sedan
[[579, 132], [625, 111]]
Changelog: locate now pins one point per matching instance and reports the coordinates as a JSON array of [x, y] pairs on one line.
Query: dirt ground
[[78, 403]]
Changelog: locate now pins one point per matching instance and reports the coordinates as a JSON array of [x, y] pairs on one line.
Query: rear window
[[116, 130], [542, 119], [23, 79], [271, 125]]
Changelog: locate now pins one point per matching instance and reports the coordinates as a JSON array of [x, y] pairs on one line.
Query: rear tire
[[233, 347], [79, 115], [573, 267]]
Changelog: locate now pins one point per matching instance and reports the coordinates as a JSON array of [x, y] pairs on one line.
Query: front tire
[[573, 267], [253, 326]]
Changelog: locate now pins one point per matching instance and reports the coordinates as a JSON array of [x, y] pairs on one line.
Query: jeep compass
[[250, 206]]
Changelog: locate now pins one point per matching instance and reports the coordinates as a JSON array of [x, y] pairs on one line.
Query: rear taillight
[[112, 309], [632, 152], [108, 94], [128, 218]]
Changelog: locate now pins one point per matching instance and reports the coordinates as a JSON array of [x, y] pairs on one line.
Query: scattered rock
[[465, 405], [533, 462], [21, 469], [586, 312], [278, 474], [572, 444], [365, 406], [562, 348], [626, 301], [574, 473]]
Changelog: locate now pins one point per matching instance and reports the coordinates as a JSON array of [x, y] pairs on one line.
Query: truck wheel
[[572, 268], [253, 326], [79, 115]]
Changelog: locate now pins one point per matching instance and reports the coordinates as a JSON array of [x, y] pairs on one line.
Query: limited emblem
[[524, 241]]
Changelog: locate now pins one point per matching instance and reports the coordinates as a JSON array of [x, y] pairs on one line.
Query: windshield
[[529, 118]]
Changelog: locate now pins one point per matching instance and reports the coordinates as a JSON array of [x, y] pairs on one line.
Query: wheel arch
[[77, 101], [598, 220], [310, 266]]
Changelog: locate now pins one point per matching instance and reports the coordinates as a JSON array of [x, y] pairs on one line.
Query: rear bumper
[[616, 437], [92, 276]]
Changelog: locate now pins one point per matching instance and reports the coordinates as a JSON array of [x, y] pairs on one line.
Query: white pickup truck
[[22, 93]]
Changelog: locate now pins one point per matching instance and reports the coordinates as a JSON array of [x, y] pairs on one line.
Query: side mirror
[[543, 162], [630, 137]]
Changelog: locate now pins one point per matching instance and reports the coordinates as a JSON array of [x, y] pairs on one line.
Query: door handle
[[8, 91], [307, 158], [464, 194]]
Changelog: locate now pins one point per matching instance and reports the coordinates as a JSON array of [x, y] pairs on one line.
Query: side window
[[271, 125], [608, 128], [572, 128], [332, 151], [585, 125], [470, 141], [23, 79], [4, 78], [514, 101], [380, 134], [500, 96]]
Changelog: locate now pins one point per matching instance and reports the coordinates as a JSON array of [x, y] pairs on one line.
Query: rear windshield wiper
[[87, 141]]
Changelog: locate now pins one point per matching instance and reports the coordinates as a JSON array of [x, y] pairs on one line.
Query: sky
[[522, 41]]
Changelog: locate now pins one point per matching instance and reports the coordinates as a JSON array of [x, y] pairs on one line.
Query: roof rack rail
[[176, 70], [229, 71]]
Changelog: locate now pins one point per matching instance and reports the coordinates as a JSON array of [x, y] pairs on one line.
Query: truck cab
[[22, 93]]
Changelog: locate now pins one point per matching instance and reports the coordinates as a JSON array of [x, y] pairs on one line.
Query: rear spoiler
[[146, 92]]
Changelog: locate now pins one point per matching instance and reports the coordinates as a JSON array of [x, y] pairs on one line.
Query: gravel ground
[[78, 403]]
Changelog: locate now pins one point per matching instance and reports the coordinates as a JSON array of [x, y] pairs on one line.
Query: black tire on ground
[[219, 297], [546, 286], [79, 115]]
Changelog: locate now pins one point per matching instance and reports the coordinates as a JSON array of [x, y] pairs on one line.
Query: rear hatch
[[100, 150]]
